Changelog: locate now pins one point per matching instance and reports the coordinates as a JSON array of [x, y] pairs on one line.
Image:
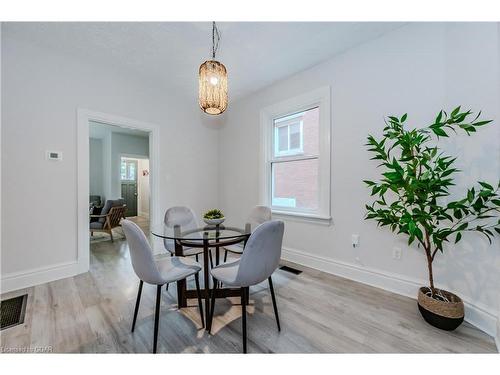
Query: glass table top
[[211, 232]]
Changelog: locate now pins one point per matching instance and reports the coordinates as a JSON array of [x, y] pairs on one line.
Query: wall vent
[[291, 270], [12, 311]]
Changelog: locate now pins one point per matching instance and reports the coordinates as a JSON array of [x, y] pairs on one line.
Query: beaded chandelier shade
[[213, 81], [213, 87]]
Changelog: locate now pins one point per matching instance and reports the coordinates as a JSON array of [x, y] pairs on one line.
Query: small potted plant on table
[[214, 217], [412, 199]]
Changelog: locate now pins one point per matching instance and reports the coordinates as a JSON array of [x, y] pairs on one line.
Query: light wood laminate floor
[[320, 313]]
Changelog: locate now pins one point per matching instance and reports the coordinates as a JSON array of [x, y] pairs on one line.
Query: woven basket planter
[[441, 314]]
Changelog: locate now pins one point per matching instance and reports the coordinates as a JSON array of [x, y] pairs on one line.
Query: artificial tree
[[412, 195]]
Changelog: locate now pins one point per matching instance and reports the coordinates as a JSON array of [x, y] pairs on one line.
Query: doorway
[[128, 180], [134, 176], [141, 171]]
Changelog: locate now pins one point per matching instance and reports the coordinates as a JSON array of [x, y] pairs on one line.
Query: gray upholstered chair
[[157, 271], [258, 215], [257, 263], [185, 218], [109, 218]]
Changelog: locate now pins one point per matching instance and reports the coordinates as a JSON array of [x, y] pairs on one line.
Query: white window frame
[[316, 98]]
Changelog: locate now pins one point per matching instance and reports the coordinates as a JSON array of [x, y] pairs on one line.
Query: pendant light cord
[[215, 39]]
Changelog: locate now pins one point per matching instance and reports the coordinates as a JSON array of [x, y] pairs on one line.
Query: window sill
[[303, 217]]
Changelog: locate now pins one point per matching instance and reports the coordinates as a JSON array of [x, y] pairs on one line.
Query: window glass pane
[[128, 170], [292, 138], [295, 136], [123, 170], [283, 138], [310, 129], [131, 171], [295, 184]]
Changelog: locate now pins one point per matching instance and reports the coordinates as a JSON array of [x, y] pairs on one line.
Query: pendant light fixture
[[213, 81]]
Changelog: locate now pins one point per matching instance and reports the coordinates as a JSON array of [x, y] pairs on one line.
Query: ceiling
[[256, 54]]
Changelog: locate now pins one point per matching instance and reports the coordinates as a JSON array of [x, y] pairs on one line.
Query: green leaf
[[470, 196], [485, 185], [448, 172], [458, 237], [455, 111], [485, 193], [439, 117], [392, 176], [481, 123], [403, 118], [439, 132], [411, 227]]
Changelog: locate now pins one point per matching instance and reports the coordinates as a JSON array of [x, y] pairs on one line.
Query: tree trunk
[[428, 253], [429, 265]]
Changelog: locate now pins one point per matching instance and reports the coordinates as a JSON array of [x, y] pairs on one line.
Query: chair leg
[[157, 317], [198, 293], [211, 260], [244, 317], [275, 306], [225, 256], [111, 234], [171, 255], [137, 303], [212, 306], [196, 256]]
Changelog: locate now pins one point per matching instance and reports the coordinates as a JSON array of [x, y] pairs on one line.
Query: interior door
[[129, 185]]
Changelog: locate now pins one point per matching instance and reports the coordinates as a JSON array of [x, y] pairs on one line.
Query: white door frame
[[83, 118]]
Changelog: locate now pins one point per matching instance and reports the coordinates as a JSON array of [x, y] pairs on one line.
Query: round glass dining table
[[210, 238]]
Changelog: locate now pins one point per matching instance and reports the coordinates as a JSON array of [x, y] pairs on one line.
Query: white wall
[[41, 91], [418, 69], [96, 167]]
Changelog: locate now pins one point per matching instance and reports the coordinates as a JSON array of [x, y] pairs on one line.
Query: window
[[128, 170], [296, 156]]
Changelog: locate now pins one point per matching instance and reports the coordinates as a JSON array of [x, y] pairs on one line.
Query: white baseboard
[[25, 279], [478, 315]]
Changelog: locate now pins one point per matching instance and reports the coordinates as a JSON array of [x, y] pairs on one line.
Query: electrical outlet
[[53, 155], [355, 240], [396, 253]]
